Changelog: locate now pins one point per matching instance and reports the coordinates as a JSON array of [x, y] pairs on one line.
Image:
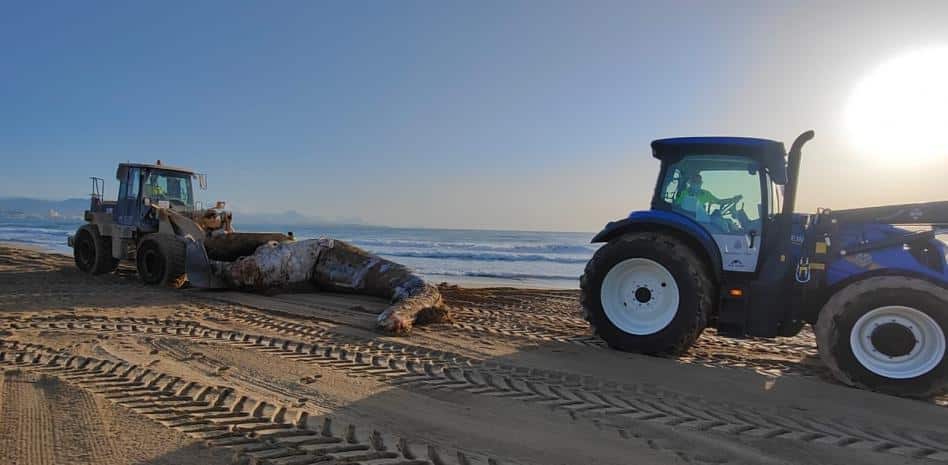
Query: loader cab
[[731, 187], [144, 185]]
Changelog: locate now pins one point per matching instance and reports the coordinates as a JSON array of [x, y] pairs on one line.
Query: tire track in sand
[[27, 428], [80, 431], [417, 368], [259, 432]]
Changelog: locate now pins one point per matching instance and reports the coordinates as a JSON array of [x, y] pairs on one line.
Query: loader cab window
[[175, 188], [133, 183], [722, 193]]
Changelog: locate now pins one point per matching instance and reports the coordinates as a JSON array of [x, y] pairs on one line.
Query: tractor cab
[[730, 187], [143, 185]]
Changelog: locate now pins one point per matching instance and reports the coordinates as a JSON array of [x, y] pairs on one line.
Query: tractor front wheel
[[93, 252], [160, 260], [887, 334], [648, 293]]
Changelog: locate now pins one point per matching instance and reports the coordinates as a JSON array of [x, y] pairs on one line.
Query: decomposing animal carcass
[[336, 266]]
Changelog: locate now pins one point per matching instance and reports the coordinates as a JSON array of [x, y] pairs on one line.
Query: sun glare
[[899, 111]]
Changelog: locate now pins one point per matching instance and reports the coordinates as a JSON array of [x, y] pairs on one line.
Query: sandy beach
[[104, 370]]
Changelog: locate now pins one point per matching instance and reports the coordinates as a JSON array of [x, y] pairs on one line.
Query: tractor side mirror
[[202, 181]]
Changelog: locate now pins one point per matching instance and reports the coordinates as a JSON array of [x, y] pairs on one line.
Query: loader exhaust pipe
[[793, 172]]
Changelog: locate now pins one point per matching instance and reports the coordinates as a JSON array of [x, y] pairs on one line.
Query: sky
[[526, 115]]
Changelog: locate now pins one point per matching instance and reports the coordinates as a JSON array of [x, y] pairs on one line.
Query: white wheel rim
[[926, 353], [639, 296]]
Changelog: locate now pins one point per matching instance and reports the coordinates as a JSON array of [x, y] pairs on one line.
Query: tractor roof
[[156, 167], [769, 153]]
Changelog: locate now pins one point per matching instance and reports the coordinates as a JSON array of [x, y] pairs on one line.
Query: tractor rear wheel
[[160, 260], [93, 252], [887, 334], [647, 292]]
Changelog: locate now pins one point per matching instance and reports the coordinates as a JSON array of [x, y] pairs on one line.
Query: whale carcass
[[329, 265]]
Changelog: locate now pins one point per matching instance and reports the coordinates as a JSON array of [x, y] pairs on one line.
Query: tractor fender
[[810, 312], [683, 227]]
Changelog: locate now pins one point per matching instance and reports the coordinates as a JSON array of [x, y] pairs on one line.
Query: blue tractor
[[722, 247]]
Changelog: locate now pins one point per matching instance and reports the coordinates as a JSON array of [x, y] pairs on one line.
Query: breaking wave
[[484, 256], [502, 275], [550, 248]]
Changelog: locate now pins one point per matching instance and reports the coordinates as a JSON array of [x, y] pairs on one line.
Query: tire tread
[[827, 327], [676, 249], [104, 263], [173, 251]]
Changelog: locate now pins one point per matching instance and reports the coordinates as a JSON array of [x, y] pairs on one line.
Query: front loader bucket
[[198, 267], [231, 246]]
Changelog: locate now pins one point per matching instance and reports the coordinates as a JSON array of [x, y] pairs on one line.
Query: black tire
[[160, 260], [690, 273], [93, 252], [844, 309]]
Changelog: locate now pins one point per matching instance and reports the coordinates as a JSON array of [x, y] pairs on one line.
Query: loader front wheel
[[160, 260], [92, 252], [887, 334], [647, 292]]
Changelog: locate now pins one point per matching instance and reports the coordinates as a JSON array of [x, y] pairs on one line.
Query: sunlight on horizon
[[897, 113]]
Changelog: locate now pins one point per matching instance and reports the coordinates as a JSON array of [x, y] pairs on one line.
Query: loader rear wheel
[[160, 260], [93, 252], [887, 334], [648, 293]]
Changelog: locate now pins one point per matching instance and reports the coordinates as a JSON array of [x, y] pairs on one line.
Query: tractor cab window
[[722, 193], [174, 188]]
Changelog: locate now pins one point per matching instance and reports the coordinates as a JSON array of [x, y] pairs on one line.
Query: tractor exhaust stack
[[793, 168]]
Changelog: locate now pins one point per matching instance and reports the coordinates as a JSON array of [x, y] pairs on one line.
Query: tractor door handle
[[752, 235]]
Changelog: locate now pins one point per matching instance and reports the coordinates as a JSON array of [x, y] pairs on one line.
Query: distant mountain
[[19, 207], [22, 207]]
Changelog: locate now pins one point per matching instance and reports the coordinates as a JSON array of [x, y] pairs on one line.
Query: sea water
[[467, 257]]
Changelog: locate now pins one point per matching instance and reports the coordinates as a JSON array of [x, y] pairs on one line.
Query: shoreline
[[464, 282], [491, 259], [32, 247]]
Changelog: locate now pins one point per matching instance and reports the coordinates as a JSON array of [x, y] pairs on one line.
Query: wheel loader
[[156, 222], [723, 247]]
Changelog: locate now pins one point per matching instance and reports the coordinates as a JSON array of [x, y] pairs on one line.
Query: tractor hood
[[769, 153]]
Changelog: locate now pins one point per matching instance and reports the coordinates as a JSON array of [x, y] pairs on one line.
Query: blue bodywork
[[650, 220], [894, 259]]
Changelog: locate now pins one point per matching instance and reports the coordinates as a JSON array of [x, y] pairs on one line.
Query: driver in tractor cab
[[697, 201]]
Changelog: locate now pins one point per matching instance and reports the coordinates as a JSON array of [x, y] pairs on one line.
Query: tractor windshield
[[714, 190], [175, 188]]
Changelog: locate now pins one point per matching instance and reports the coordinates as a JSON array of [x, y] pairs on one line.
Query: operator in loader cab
[[152, 188]]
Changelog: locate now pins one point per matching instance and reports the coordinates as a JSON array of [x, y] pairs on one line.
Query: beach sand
[[102, 369]]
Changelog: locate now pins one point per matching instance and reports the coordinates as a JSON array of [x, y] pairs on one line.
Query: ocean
[[467, 257]]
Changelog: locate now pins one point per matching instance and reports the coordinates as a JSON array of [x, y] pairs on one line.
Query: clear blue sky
[[514, 115]]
